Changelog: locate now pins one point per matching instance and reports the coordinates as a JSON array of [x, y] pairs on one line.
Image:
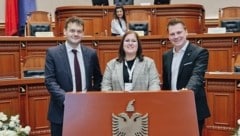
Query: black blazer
[[58, 77], [191, 75]]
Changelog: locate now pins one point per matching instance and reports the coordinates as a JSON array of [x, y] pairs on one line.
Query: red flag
[[11, 17]]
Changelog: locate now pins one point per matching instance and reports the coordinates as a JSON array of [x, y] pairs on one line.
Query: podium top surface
[[167, 113]]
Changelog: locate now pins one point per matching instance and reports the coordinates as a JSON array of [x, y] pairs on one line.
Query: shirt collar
[[69, 48], [183, 49]]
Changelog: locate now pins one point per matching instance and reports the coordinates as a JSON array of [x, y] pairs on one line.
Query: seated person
[[119, 22]]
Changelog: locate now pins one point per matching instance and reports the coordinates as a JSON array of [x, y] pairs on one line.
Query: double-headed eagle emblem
[[134, 125]]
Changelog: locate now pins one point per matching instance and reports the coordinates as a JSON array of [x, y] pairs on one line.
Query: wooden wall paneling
[[107, 29], [91, 28], [140, 15], [33, 52], [220, 53], [9, 100], [29, 98], [90, 42], [33, 63], [107, 50], [160, 25], [222, 100], [94, 20], [192, 15], [38, 101], [98, 18], [2, 29], [59, 26], [209, 23], [220, 46], [237, 98], [153, 49], [192, 24], [236, 52], [23, 104], [167, 44], [38, 46], [236, 46], [10, 53]]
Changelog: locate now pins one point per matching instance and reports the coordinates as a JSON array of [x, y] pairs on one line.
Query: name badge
[[128, 86]]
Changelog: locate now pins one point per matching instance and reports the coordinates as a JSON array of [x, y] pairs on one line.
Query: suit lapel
[[85, 58], [64, 59], [169, 66], [87, 63], [138, 67], [119, 68], [185, 58]]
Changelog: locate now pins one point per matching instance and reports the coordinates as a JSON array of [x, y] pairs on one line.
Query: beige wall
[[211, 6]]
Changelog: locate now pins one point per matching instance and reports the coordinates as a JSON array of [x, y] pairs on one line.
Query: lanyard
[[130, 71]]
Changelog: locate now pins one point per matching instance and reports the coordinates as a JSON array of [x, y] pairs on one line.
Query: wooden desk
[[98, 18], [29, 97], [14, 51], [158, 108], [223, 95]]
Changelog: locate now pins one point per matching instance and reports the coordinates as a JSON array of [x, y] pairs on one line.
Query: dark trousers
[[56, 129], [200, 126]]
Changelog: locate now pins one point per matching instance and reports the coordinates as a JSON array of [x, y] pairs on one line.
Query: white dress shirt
[[177, 59], [116, 27], [81, 63]]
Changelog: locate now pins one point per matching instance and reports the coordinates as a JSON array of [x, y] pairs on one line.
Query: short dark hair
[[74, 19], [174, 21], [121, 52]]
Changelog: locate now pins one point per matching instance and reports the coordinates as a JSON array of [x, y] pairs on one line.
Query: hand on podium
[[184, 89]]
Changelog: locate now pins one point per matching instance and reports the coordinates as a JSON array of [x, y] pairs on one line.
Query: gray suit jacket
[[191, 75], [58, 77], [145, 76]]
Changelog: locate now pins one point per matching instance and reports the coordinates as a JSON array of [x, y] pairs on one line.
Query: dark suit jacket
[[58, 77], [191, 75]]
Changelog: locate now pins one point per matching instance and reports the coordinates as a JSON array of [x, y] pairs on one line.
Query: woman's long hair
[[115, 13], [121, 52]]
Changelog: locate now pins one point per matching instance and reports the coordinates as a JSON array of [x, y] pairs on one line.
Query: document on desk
[[218, 72]]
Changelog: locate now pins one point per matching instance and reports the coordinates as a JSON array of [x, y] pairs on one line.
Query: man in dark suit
[[184, 67], [60, 71]]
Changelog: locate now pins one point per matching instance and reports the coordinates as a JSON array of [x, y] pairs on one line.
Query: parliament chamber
[[27, 95]]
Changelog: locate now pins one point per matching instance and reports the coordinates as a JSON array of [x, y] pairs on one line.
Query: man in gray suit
[[60, 71], [184, 67]]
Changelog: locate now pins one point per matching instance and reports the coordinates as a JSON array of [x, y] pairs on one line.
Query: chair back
[[38, 21], [229, 17], [33, 66]]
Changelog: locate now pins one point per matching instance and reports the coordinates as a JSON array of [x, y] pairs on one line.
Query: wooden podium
[[168, 113]]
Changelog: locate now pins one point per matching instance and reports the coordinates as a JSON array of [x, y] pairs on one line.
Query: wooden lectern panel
[[169, 113]]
